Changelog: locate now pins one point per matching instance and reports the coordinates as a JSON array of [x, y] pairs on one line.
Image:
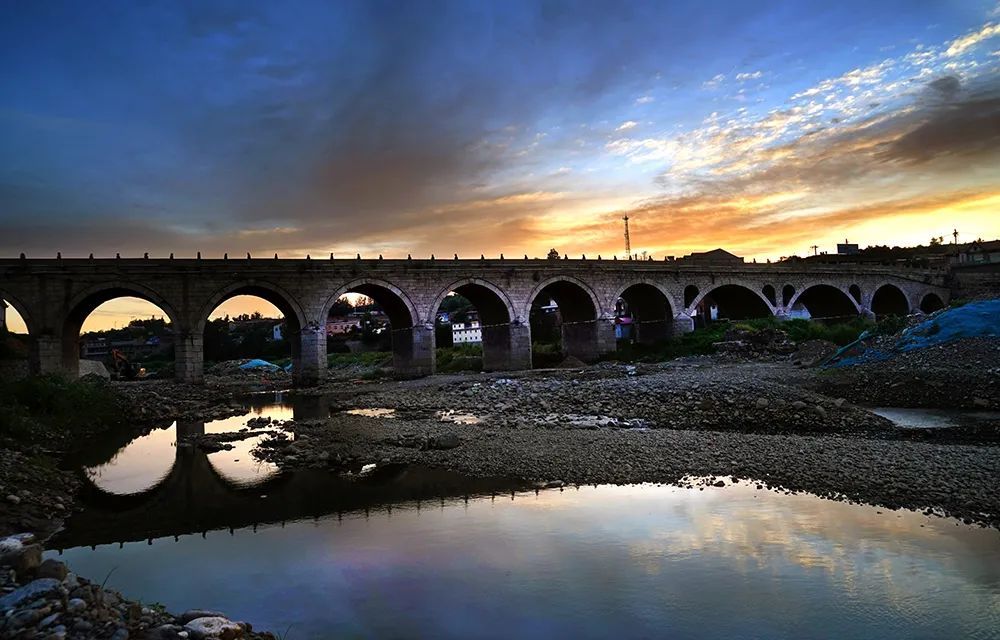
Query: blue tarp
[[257, 363], [968, 321]]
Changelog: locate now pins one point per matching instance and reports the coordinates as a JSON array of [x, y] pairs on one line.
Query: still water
[[411, 552]]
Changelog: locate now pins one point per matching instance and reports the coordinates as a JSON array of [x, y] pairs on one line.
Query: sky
[[510, 127]]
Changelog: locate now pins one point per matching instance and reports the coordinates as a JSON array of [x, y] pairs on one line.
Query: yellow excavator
[[121, 365]]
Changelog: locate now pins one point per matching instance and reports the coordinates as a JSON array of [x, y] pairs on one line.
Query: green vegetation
[[51, 409], [363, 359], [546, 354], [701, 341], [461, 357]]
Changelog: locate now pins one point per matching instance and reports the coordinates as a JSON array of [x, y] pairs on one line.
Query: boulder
[[52, 568], [443, 441], [214, 627], [40, 588], [194, 614], [22, 558]]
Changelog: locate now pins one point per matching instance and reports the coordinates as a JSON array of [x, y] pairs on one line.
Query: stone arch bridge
[[54, 297]]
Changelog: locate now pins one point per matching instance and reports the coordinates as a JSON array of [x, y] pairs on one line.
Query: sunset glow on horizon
[[481, 128]]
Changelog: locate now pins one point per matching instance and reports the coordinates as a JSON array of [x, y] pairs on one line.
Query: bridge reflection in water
[[202, 492]]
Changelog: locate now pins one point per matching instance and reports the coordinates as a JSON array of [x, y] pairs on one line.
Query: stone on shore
[[214, 627]]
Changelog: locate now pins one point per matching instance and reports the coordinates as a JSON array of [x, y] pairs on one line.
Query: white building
[[462, 332]]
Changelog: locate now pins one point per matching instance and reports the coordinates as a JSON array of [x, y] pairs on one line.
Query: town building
[[470, 332], [713, 257], [341, 325]]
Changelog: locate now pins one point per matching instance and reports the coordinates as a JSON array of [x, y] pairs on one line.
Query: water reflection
[[640, 561], [919, 418]]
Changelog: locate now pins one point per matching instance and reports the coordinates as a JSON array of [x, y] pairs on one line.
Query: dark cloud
[[963, 129]]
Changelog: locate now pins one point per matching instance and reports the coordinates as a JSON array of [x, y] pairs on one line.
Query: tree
[[936, 242], [553, 254]]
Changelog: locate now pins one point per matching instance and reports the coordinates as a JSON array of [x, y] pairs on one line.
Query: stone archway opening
[[889, 300], [855, 292], [564, 322], [770, 294], [931, 302], [474, 330], [120, 331], [383, 321], [252, 323], [824, 302], [690, 294], [787, 293], [643, 315], [16, 341], [732, 302]]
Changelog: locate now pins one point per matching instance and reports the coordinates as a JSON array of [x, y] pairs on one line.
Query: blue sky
[[476, 127]]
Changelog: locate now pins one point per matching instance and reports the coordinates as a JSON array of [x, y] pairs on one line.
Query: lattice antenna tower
[[628, 240]]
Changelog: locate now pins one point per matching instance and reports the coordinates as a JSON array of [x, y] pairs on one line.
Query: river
[[416, 552]]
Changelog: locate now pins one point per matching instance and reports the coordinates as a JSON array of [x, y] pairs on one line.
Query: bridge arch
[[855, 292], [295, 319], [85, 302], [770, 294], [21, 309], [504, 339], [889, 300], [787, 293], [651, 309], [412, 347], [273, 293], [690, 293], [824, 301], [733, 301], [931, 302], [578, 318]]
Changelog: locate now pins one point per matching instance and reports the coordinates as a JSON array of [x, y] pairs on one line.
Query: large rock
[[52, 568], [34, 590], [194, 614], [443, 441], [20, 557], [214, 627]]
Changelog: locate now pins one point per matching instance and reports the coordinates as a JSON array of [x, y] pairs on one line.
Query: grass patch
[[363, 359], [460, 357], [52, 408]]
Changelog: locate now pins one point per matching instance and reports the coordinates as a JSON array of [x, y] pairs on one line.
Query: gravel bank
[[658, 424]]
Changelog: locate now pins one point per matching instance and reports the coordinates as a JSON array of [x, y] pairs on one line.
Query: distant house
[[980, 253], [713, 257], [462, 332], [342, 325]]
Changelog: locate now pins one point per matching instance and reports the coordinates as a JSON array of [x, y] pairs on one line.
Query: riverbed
[[409, 551]]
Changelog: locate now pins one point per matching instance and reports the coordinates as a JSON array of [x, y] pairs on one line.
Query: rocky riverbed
[[624, 424], [772, 420]]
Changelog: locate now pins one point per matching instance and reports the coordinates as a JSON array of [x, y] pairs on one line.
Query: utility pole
[[954, 234], [815, 248], [628, 240]]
